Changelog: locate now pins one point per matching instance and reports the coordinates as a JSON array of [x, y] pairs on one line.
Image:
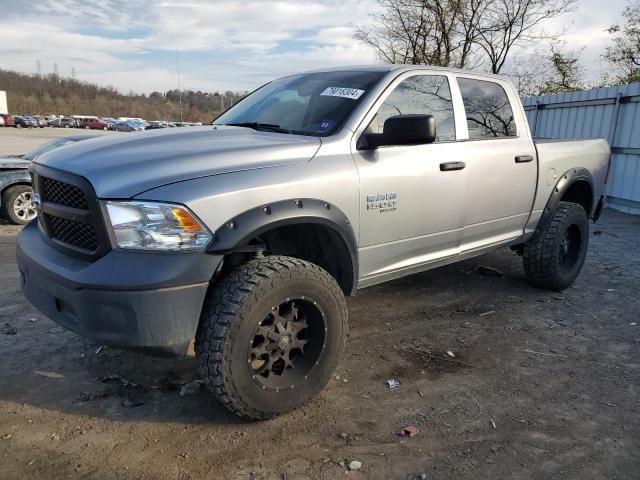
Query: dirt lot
[[543, 385]]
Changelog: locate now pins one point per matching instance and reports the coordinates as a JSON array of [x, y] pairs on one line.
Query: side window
[[488, 110], [421, 94]]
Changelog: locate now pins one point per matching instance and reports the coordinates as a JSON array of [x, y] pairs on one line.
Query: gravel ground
[[543, 385]]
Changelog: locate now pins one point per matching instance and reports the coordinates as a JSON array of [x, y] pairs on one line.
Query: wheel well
[[7, 187], [312, 242], [579, 192]]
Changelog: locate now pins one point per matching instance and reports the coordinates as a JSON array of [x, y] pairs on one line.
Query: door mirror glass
[[413, 129]]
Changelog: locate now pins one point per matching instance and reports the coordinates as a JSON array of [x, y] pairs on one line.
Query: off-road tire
[[233, 309], [542, 255], [8, 200]]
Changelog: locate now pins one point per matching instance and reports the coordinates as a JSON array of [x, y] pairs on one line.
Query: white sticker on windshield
[[352, 93]]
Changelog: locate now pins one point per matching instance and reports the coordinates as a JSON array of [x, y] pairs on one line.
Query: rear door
[[501, 163]]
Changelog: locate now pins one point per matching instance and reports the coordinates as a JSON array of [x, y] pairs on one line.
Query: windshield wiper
[[269, 127]]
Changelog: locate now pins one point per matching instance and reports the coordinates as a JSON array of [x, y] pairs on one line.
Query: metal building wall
[[612, 113]]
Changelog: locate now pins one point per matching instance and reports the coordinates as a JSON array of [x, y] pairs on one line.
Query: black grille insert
[[63, 194], [81, 235]]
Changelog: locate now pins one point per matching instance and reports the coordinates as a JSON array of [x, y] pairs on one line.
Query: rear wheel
[[17, 204], [270, 335], [554, 257]]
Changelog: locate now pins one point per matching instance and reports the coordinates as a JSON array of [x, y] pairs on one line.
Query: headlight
[[156, 226]]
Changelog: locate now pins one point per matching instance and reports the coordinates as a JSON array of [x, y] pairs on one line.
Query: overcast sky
[[222, 44]]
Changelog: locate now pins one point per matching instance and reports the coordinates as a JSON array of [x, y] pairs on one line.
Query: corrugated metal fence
[[612, 113]]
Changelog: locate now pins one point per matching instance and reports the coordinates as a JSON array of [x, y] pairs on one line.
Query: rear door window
[[489, 113]]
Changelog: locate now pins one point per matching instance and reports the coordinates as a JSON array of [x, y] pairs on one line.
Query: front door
[[411, 197]]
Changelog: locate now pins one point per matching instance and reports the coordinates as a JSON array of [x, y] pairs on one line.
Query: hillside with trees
[[51, 94]]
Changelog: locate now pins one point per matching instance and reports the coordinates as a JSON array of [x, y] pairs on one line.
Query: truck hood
[[13, 162], [124, 165]]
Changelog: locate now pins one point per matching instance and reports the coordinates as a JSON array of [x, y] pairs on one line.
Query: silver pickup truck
[[246, 234]]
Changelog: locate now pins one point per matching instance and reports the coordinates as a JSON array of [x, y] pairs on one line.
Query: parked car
[[127, 127], [110, 121], [16, 193], [155, 126], [41, 121], [94, 124], [64, 122], [8, 120], [312, 187], [24, 121]]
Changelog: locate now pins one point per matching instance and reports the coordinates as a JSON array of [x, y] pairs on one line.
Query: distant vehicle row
[[20, 121], [89, 123]]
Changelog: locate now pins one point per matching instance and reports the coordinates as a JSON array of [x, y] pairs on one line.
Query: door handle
[[524, 158], [449, 166]]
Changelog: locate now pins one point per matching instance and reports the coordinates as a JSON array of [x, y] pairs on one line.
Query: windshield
[[311, 104], [58, 142]]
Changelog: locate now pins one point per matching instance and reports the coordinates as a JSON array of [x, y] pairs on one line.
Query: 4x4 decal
[[383, 202]]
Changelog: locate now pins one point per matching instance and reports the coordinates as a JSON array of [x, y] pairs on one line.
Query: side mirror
[[414, 129]]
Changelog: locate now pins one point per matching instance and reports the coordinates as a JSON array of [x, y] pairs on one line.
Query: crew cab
[[247, 234]]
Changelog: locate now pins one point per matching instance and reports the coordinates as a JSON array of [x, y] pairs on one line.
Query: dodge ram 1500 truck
[[246, 234]]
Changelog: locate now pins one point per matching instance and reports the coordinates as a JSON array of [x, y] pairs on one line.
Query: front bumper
[[143, 300]]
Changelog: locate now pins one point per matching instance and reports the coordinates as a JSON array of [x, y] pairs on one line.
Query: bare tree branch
[[458, 33]]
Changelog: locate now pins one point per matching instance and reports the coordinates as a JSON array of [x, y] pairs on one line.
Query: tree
[[429, 32], [623, 53], [509, 23], [544, 72], [565, 72], [457, 33]]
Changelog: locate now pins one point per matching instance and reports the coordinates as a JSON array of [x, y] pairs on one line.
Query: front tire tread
[[223, 313]]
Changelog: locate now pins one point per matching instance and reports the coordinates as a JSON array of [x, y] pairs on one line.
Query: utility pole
[[179, 87]]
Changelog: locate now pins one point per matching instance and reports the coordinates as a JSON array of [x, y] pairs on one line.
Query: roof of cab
[[405, 68]]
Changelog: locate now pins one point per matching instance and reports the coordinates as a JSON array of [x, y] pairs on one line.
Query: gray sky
[[223, 44]]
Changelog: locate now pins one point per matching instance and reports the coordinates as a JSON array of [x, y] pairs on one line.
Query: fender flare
[[567, 179], [236, 232]]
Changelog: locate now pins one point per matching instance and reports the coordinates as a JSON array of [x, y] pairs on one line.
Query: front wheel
[[270, 335], [554, 256], [17, 204]]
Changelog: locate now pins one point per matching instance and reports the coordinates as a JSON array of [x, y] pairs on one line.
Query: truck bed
[[558, 156]]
